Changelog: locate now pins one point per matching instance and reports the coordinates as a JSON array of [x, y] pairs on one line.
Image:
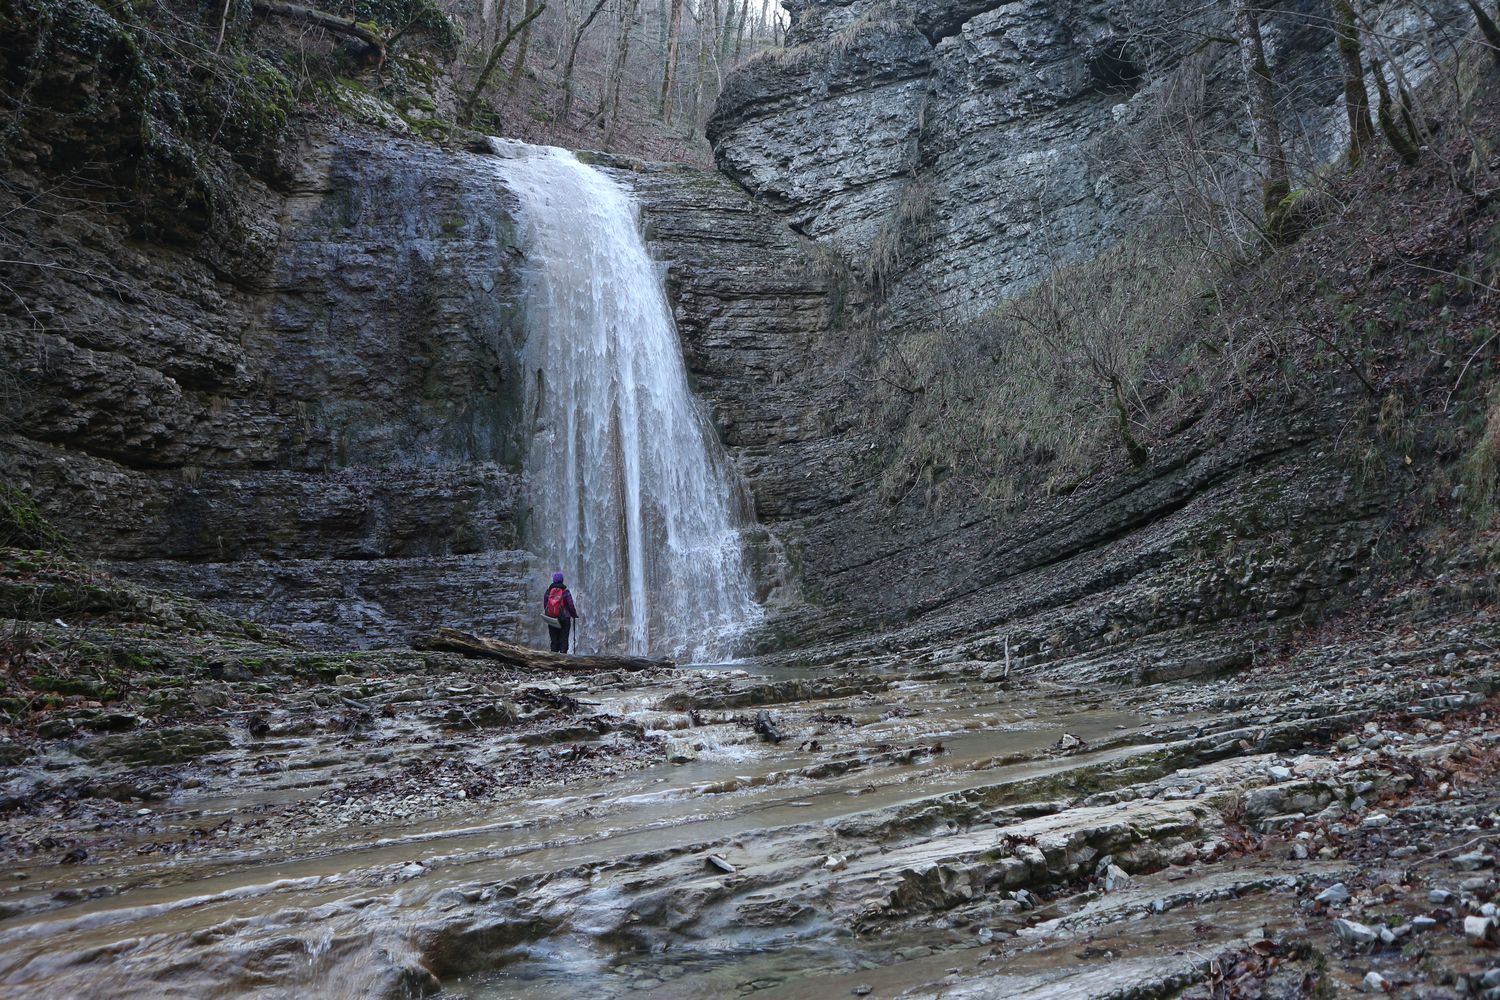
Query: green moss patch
[[22, 526]]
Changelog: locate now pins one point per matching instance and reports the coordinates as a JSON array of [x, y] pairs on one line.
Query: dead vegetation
[[1384, 307]]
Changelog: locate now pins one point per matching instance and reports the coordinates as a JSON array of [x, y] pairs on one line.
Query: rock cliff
[[951, 150], [319, 434], [318, 429], [322, 434]]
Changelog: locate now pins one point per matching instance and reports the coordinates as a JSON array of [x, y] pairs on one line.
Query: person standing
[[559, 612]]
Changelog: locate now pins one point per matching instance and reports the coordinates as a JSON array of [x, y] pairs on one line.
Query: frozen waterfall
[[631, 495]]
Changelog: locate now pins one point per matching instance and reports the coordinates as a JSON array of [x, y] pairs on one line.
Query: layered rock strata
[[951, 150], [324, 435], [397, 822], [319, 434]]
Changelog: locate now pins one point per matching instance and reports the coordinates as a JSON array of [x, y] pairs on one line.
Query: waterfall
[[631, 495]]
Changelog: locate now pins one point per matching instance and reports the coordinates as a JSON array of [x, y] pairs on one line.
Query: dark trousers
[[560, 635]]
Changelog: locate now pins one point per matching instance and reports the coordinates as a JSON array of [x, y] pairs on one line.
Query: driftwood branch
[[451, 640], [466, 116], [374, 44]]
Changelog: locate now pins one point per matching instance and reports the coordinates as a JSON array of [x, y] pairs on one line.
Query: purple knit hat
[[557, 578]]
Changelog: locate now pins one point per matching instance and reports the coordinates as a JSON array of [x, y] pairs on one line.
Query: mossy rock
[[417, 70], [133, 660], [158, 746], [43, 602], [1292, 217], [431, 129], [22, 525], [65, 685]]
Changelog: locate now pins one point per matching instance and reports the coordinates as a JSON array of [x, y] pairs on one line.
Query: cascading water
[[631, 494]]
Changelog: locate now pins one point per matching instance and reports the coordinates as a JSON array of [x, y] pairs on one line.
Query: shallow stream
[[323, 890]]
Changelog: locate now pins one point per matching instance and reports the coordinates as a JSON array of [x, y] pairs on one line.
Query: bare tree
[[726, 37], [568, 90], [532, 11], [708, 34], [669, 67], [739, 36], [1397, 128], [1488, 29], [471, 103], [1356, 98], [1276, 183], [622, 55], [491, 17]]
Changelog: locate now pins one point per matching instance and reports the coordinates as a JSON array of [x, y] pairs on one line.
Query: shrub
[[1043, 387]]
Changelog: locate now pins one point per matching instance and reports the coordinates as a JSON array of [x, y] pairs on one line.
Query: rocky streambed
[[239, 817]]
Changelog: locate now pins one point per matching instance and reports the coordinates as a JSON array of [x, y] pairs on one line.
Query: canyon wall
[[951, 149], [318, 428], [319, 434], [937, 156]]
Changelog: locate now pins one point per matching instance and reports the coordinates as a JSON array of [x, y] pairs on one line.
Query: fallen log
[[374, 44], [451, 640]]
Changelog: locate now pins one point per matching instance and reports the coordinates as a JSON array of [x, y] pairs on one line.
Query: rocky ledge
[[216, 810]]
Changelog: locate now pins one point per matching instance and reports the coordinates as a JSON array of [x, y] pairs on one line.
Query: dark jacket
[[568, 610]]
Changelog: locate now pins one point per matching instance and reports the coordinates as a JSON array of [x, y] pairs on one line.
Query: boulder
[[171, 745], [1355, 934]]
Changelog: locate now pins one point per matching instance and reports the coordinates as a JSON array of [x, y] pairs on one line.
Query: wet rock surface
[[316, 434], [349, 474], [278, 822]]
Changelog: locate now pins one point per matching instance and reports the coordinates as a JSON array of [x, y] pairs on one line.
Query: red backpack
[[555, 603]]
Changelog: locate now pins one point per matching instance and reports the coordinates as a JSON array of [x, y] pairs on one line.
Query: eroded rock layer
[[279, 822]]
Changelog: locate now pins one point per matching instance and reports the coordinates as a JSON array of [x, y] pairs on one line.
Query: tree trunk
[[1488, 29], [669, 68], [662, 17], [489, 30], [706, 30], [1276, 183], [1356, 98], [766, 727], [739, 38], [1395, 129], [573, 56], [606, 85], [451, 640], [466, 116], [726, 36], [532, 10], [1133, 448], [622, 53]]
